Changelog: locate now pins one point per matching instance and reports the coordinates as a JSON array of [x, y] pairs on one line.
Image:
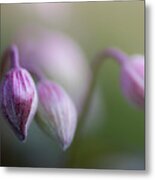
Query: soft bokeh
[[116, 137]]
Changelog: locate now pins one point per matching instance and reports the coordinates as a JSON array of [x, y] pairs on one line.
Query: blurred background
[[113, 135]]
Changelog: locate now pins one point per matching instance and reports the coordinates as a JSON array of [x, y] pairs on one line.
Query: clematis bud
[[18, 97], [58, 111], [132, 80], [132, 73], [57, 55]]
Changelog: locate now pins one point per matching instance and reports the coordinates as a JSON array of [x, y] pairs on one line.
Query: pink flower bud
[[58, 112], [132, 80], [18, 98], [59, 56]]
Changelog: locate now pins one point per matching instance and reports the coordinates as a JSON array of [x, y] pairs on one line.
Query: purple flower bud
[[132, 80], [57, 55], [18, 99], [57, 111]]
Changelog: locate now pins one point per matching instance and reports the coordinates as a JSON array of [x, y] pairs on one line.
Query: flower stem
[[120, 57], [10, 53], [14, 56]]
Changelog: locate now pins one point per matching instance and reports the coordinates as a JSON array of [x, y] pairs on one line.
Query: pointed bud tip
[[65, 147], [22, 137]]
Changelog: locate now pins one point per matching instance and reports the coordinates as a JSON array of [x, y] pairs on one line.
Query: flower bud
[[57, 111], [132, 80], [57, 55], [18, 100]]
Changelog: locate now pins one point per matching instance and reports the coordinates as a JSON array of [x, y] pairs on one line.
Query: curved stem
[[114, 53], [120, 57]]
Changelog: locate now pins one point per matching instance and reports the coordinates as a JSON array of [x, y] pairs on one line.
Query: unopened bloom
[[132, 73], [132, 80], [59, 56], [58, 111], [18, 97]]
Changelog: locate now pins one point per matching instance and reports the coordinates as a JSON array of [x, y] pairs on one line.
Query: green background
[[117, 141]]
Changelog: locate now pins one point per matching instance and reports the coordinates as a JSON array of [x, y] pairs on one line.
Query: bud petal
[[18, 100], [132, 80], [58, 110]]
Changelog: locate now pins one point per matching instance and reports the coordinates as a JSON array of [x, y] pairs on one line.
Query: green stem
[[120, 57]]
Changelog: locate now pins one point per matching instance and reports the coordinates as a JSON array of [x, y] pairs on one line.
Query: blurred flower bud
[[132, 80], [18, 98], [58, 56], [57, 111]]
